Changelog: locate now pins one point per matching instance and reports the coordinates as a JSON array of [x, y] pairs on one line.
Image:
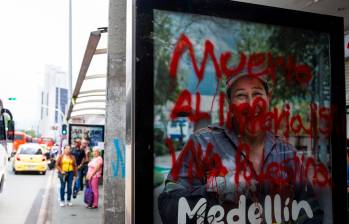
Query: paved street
[[24, 201], [22, 197]]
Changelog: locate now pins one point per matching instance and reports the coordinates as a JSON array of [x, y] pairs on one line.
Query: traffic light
[[64, 129], [12, 98]]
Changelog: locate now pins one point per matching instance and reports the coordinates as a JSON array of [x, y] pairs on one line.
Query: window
[[31, 151], [19, 137]]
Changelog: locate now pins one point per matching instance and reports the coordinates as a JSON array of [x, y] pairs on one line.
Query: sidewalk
[[76, 214]]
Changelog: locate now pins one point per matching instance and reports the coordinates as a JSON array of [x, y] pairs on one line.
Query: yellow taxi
[[30, 157]]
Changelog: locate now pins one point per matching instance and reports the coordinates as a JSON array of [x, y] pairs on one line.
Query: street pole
[[70, 58], [63, 121], [115, 124], [59, 111]]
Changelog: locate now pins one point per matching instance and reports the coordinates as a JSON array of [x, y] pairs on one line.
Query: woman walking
[[67, 170], [93, 174]]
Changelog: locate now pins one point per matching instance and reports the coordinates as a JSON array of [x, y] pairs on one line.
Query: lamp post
[[70, 58], [59, 111], [63, 121]]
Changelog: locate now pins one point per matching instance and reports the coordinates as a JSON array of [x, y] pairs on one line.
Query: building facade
[[54, 101]]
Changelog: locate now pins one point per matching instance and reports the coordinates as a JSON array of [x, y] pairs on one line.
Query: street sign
[[12, 98]]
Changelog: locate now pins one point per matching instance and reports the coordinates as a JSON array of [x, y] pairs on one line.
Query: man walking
[[84, 166], [79, 155]]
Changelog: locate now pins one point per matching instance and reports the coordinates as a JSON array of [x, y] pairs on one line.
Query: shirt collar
[[270, 139]]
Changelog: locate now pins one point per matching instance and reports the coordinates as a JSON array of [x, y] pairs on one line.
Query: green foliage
[[159, 146], [159, 143], [165, 88], [254, 38], [158, 178], [307, 48]]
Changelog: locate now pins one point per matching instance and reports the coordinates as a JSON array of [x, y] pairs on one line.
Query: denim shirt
[[217, 148]]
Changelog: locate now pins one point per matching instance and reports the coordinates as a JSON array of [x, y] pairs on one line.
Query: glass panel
[[31, 151], [245, 122]]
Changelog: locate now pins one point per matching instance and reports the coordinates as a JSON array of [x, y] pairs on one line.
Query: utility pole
[[70, 58], [114, 182]]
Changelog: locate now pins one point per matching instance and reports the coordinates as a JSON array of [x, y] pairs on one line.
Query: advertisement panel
[[244, 115], [94, 134]]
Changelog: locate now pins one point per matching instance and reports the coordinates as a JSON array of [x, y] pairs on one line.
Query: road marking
[[33, 213], [43, 212]]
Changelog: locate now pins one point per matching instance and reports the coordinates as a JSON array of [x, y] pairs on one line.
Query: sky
[[34, 33]]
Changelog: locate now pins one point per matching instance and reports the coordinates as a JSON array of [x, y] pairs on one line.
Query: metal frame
[[84, 96], [92, 114], [101, 51], [97, 76], [89, 108], [89, 101], [90, 51], [93, 91]]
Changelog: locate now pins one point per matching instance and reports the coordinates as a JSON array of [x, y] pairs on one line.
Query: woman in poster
[[240, 173]]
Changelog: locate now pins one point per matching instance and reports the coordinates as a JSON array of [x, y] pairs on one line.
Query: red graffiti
[[183, 107], [197, 162], [232, 71], [293, 169], [202, 166], [182, 45], [254, 116], [257, 64], [274, 120]]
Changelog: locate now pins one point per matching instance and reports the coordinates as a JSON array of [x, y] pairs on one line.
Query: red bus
[[48, 141], [20, 138]]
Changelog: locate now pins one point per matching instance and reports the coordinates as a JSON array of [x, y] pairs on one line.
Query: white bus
[[6, 137]]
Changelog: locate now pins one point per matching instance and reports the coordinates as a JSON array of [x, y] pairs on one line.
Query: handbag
[[88, 194]]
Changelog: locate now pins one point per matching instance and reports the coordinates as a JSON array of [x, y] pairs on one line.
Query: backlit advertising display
[[245, 119]]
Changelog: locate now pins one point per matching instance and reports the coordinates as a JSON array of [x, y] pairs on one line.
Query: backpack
[[88, 194]]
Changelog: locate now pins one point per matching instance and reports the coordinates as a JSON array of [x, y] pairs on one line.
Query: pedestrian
[[67, 170], [94, 173], [79, 155], [87, 150]]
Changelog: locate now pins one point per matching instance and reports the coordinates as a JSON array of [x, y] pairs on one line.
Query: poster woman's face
[[249, 96]]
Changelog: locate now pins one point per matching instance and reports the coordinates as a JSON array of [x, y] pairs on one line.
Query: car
[[30, 157]]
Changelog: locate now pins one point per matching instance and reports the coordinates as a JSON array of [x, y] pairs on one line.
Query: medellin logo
[[255, 211]]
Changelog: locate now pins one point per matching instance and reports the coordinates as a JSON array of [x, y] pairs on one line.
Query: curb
[[43, 212]]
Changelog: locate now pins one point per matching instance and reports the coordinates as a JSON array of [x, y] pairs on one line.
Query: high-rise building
[[54, 101]]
